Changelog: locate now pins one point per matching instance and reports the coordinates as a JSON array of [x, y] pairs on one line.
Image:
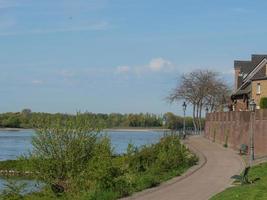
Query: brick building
[[250, 81]]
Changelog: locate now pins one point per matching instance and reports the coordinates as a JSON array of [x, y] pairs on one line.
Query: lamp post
[[252, 108], [184, 109], [207, 110]]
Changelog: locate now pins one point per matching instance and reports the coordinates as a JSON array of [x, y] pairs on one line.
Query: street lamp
[[207, 110], [252, 108], [252, 105], [184, 109]]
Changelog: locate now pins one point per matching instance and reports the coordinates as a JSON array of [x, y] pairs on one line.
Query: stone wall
[[233, 129]]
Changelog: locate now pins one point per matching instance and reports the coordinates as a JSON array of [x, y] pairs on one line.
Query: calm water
[[16, 143]]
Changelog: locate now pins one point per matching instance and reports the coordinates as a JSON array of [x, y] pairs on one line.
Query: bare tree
[[201, 89]]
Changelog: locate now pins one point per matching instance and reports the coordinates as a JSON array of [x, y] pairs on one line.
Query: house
[[250, 82]]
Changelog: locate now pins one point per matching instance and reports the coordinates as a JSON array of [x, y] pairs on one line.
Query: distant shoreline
[[108, 129], [14, 129], [136, 129]]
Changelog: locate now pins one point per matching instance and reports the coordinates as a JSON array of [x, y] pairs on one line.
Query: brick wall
[[233, 128], [237, 72], [241, 105]]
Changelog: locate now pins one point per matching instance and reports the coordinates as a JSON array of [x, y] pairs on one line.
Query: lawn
[[255, 191]]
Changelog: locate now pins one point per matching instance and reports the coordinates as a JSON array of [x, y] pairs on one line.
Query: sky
[[123, 56]]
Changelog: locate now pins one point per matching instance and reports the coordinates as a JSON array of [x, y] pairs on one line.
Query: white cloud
[[123, 69], [37, 82], [160, 64], [66, 73], [229, 72], [155, 65]]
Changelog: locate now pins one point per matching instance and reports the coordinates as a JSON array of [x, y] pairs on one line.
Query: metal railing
[[188, 132]]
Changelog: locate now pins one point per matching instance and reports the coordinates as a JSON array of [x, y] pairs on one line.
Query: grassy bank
[[254, 191], [20, 165]]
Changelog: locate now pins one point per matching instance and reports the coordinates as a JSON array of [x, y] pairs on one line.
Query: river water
[[16, 143]]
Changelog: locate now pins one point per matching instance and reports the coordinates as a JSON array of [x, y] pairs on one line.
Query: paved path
[[211, 176]]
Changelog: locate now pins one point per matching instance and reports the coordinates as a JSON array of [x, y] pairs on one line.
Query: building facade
[[250, 82]]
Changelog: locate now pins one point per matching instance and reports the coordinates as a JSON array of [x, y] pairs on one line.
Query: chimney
[[237, 73], [257, 58]]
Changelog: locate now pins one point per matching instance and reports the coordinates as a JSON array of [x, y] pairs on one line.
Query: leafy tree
[[11, 122], [26, 112]]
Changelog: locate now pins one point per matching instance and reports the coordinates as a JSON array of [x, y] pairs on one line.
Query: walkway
[[211, 176]]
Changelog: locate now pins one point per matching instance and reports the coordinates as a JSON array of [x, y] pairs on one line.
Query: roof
[[246, 66], [259, 79], [244, 91], [250, 70]]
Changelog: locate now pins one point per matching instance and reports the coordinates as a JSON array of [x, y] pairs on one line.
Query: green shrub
[[20, 165], [72, 155], [161, 157], [263, 103], [13, 191], [147, 180], [62, 152], [103, 195]]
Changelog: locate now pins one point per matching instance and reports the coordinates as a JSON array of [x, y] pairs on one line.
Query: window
[[258, 90]]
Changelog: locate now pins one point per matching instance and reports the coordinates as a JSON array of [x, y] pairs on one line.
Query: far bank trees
[[204, 90]]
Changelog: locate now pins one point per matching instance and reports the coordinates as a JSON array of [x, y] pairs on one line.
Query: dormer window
[[243, 75], [258, 89]]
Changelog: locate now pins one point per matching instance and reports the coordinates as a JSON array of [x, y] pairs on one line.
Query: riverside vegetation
[[28, 119], [71, 154]]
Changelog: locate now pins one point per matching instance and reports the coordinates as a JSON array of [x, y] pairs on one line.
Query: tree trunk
[[200, 115], [197, 117], [194, 117]]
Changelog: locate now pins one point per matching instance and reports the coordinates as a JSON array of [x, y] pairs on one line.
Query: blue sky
[[118, 55]]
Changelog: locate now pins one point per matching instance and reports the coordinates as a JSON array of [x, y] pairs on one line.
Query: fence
[[189, 132], [233, 129]]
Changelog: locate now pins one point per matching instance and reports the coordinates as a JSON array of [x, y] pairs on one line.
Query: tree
[[63, 150], [201, 89], [172, 121], [11, 122], [26, 112]]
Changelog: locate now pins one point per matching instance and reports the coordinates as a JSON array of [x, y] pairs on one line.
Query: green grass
[[254, 191], [16, 165], [142, 181]]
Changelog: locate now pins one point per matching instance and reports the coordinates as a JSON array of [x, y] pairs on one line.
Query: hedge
[[263, 103]]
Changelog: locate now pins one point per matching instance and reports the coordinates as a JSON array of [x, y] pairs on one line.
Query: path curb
[[201, 163]]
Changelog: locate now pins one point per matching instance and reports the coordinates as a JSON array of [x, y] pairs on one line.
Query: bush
[[71, 154], [263, 103], [13, 191], [62, 152], [168, 154]]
